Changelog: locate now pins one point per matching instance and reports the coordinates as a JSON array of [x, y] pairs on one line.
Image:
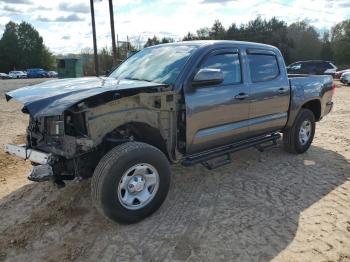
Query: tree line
[[297, 41], [21, 47]]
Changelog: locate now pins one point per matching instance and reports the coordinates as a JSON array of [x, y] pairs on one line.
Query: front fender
[[156, 110]]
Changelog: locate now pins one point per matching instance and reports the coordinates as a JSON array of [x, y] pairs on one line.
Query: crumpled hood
[[54, 97]]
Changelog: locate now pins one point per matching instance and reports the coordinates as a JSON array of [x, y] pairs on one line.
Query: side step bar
[[231, 148]]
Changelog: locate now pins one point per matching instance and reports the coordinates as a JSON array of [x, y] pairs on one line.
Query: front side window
[[263, 67], [295, 67], [229, 65]]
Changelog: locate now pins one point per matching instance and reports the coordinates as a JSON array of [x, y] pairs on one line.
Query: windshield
[[160, 64]]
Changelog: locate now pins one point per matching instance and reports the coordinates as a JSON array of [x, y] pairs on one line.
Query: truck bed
[[310, 87]]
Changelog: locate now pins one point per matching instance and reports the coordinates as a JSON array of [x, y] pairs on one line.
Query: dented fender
[[158, 110]]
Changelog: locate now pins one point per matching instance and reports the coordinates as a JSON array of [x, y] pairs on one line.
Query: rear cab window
[[263, 67]]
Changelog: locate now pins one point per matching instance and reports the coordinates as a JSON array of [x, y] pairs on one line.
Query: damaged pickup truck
[[189, 103]]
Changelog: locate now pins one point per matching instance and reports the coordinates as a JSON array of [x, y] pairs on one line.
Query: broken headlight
[[55, 126]]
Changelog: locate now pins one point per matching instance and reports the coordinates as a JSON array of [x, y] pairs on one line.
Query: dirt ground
[[262, 207]]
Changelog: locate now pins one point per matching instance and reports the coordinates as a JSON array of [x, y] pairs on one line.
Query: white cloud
[[140, 19]]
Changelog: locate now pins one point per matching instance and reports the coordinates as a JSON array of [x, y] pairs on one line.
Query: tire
[[111, 177], [292, 140]]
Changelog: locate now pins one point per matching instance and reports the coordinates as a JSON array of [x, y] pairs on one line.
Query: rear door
[[269, 92], [217, 114]]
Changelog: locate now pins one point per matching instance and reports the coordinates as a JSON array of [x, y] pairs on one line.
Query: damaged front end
[[70, 131], [58, 147]]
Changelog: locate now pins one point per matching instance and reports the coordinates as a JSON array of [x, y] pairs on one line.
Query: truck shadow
[[249, 210]]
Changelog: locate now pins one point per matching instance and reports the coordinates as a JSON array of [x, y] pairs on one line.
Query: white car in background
[[17, 74], [4, 76], [345, 78], [52, 74], [338, 74]]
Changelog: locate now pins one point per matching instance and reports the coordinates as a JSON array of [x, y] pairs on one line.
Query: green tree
[[189, 37], [166, 40], [152, 41], [156, 41], [21, 47], [105, 59], [340, 42], [326, 49], [233, 32], [203, 33], [9, 55], [87, 58], [217, 31], [305, 40], [277, 35]]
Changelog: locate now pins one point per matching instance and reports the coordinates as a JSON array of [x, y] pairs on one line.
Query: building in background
[[69, 67]]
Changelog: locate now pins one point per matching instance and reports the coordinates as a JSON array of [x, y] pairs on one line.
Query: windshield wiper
[[137, 79]]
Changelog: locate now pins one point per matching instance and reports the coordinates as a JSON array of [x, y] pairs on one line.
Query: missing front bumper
[[30, 154]]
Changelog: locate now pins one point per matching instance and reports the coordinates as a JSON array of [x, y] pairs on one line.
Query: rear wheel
[[298, 139], [130, 182]]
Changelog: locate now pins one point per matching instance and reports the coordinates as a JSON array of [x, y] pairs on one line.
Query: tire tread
[[98, 178]]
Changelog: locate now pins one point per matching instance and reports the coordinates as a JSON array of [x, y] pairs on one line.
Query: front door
[[217, 114]]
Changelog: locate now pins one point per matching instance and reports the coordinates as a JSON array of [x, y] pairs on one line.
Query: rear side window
[[263, 67], [308, 66], [229, 65], [327, 65]]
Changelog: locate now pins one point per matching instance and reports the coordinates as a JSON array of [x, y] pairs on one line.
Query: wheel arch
[[140, 132], [314, 106]]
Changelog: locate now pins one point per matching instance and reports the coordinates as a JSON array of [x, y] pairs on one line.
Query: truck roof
[[201, 43]]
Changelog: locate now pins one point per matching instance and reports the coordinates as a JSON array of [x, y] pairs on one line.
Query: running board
[[204, 157], [217, 162]]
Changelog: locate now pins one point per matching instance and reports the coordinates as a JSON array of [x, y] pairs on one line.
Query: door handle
[[241, 96], [282, 90]]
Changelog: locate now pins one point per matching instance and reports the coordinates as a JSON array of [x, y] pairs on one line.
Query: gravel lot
[[262, 207]]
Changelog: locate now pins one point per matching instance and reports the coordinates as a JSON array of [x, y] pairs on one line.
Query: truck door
[[217, 114], [270, 92]]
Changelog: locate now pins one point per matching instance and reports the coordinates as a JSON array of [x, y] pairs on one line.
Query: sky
[[66, 25]]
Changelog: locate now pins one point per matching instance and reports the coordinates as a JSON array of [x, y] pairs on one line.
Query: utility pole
[[114, 48], [94, 35], [118, 45]]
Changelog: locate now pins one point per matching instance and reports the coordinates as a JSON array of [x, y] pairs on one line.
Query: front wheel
[[298, 139], [130, 182]]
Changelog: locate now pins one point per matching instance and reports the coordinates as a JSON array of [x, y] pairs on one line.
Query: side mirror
[[208, 76], [107, 72]]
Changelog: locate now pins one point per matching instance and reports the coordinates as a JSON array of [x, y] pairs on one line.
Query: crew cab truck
[[189, 103]]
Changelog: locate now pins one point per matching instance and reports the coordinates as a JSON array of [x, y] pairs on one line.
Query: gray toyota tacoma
[[189, 103]]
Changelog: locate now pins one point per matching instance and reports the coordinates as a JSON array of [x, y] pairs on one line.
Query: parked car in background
[[345, 78], [17, 74], [52, 74], [339, 74], [312, 67], [4, 76], [36, 73]]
